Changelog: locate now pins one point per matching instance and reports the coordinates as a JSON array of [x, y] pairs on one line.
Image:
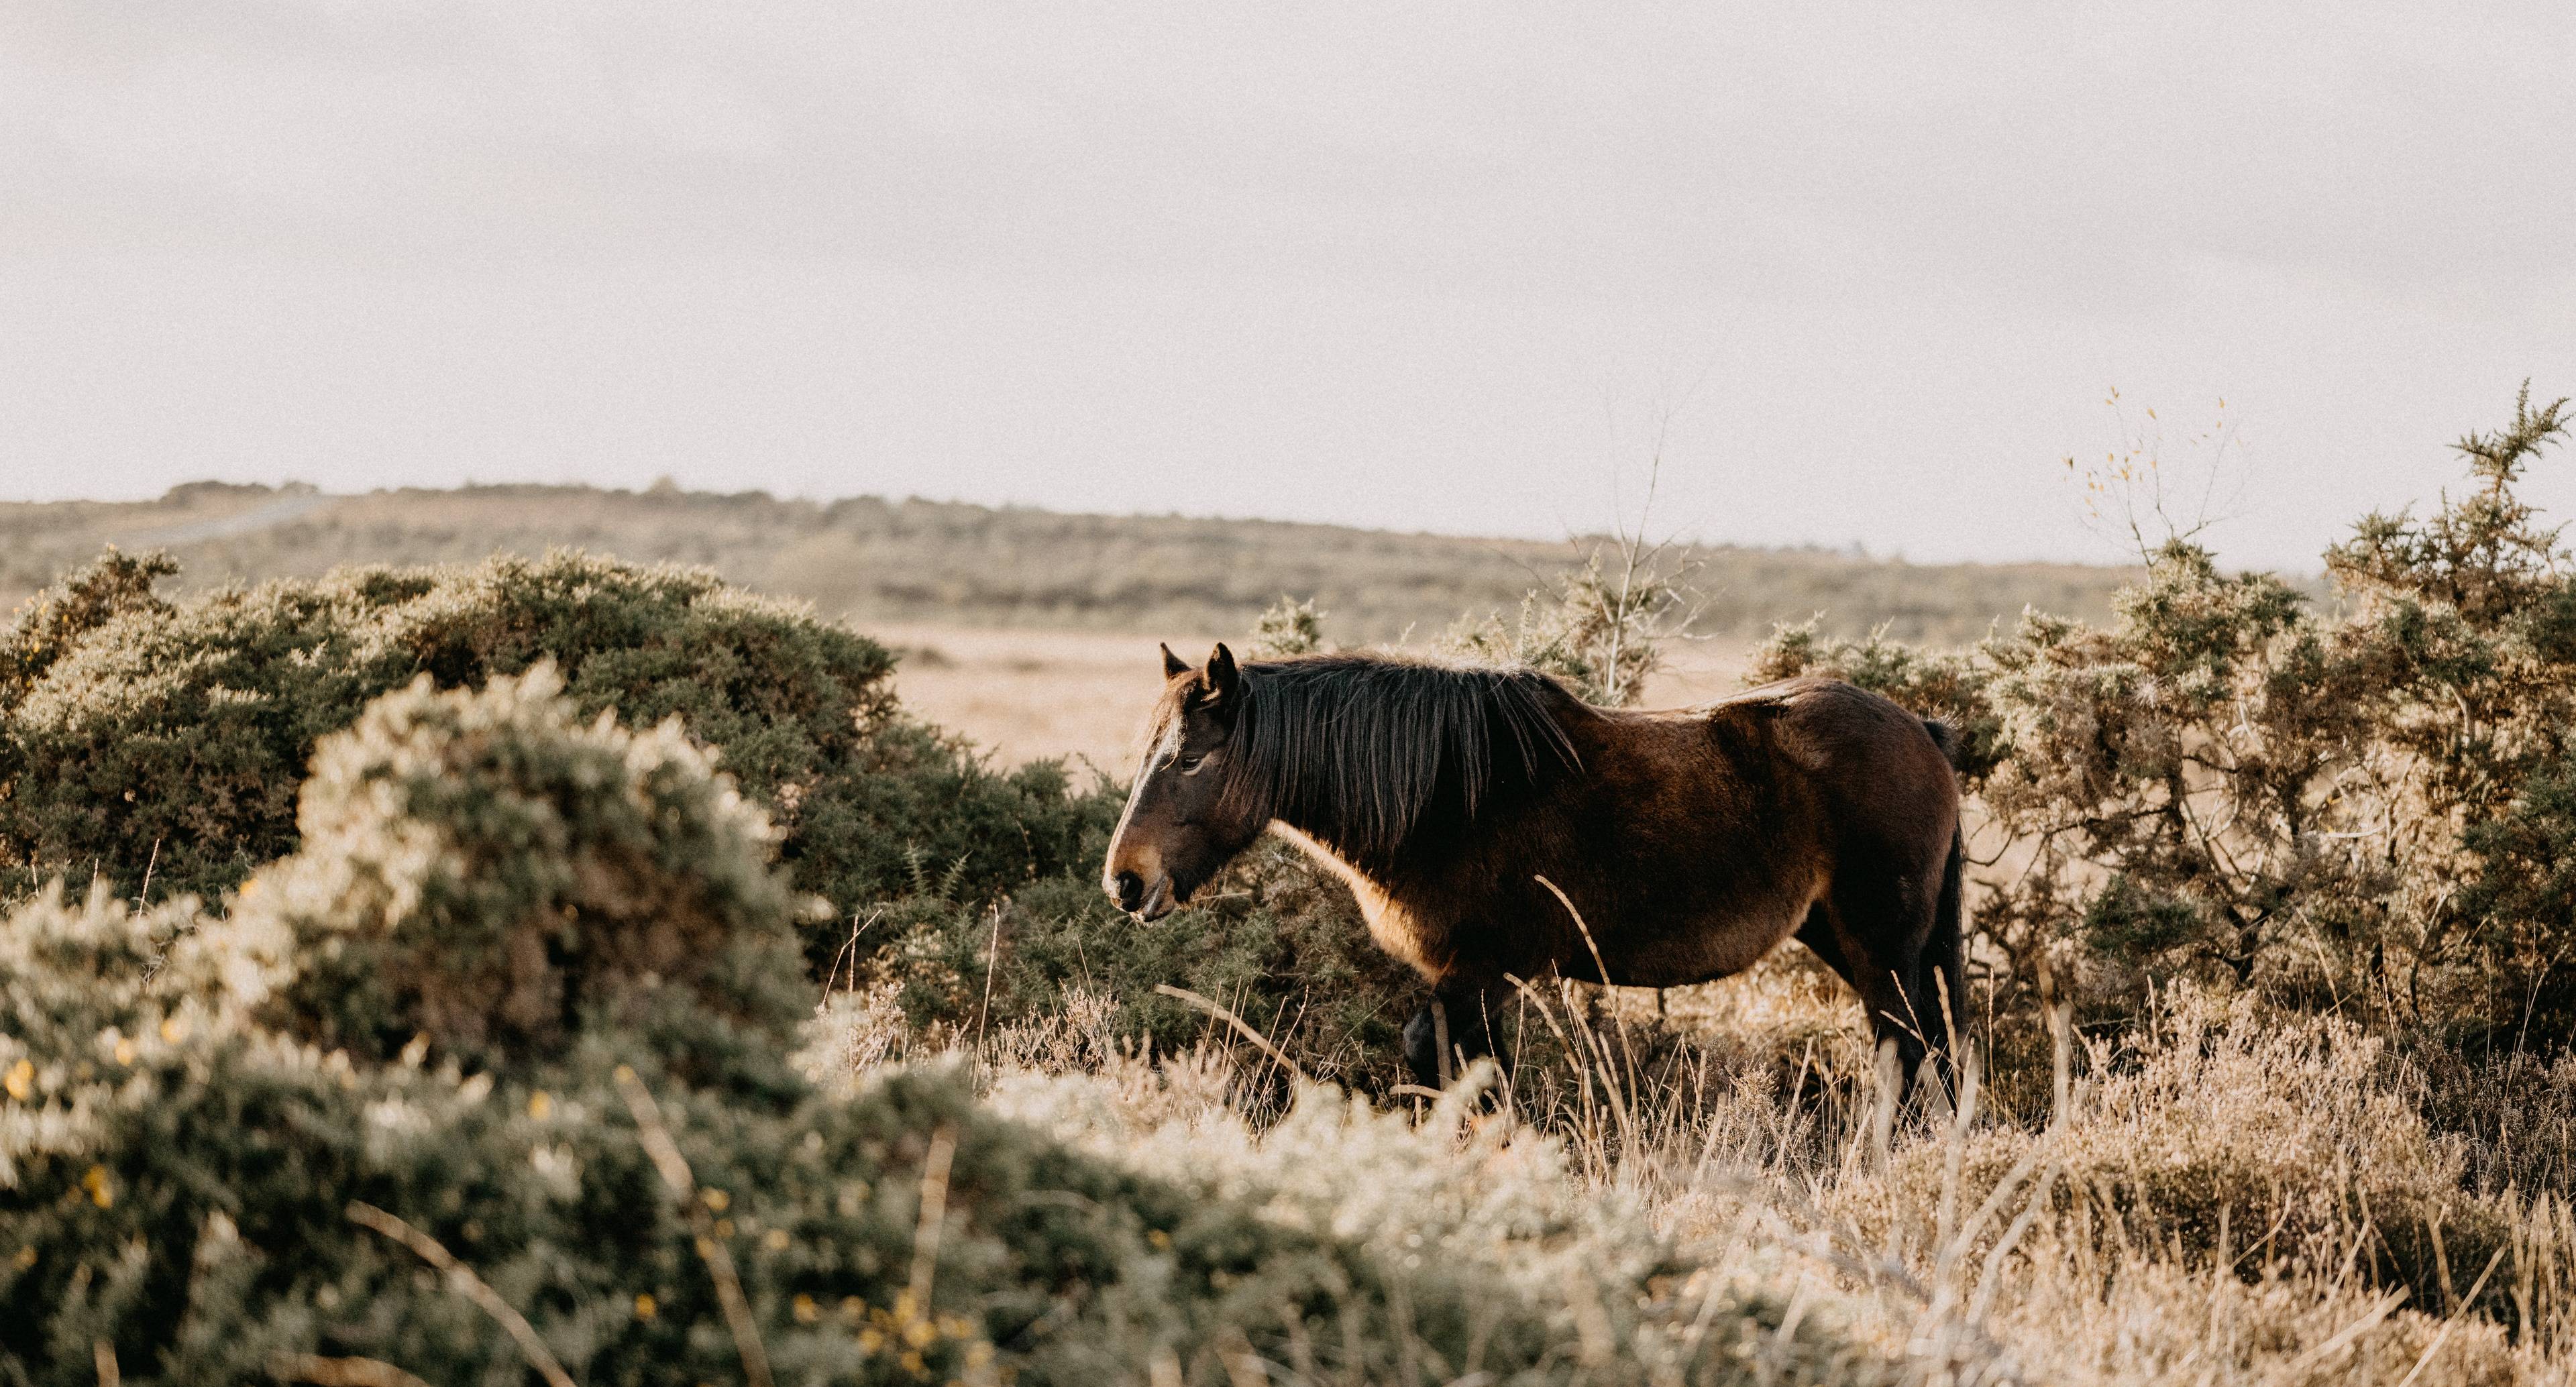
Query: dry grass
[[2225, 1197]]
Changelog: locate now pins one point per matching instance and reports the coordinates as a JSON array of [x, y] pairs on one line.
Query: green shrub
[[2366, 808], [1948, 685], [156, 745], [1601, 631], [482, 869], [1286, 627], [56, 620], [1275, 940]]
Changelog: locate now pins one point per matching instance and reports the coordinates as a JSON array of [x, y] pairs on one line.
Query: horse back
[[1877, 774], [1708, 833]]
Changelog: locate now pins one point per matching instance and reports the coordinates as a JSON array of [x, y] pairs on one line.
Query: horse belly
[[1703, 946]]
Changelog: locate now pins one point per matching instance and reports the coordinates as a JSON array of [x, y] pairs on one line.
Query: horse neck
[[1319, 829], [1324, 826]]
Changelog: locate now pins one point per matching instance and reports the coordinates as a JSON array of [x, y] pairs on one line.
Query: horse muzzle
[[1145, 901]]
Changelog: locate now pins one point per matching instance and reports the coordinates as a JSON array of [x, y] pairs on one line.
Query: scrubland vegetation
[[872, 560], [566, 971]]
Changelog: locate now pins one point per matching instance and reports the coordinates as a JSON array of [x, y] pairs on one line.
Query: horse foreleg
[[1455, 1026]]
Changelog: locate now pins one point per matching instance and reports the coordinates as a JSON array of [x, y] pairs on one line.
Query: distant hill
[[921, 561]]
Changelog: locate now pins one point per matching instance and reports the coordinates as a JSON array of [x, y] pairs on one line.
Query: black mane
[[1357, 746]]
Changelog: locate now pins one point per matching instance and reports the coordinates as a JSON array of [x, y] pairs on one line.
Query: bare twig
[[2452, 1321], [992, 961], [339, 1372], [462, 1280], [144, 896], [2379, 1310], [674, 1167], [934, 1215], [1624, 1043], [1241, 1026]]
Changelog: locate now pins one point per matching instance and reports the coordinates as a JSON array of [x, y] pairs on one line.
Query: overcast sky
[[1871, 270]]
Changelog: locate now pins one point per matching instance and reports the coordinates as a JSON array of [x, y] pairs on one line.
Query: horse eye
[[1189, 765]]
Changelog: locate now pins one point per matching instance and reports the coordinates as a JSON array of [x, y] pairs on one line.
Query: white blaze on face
[[1142, 859]]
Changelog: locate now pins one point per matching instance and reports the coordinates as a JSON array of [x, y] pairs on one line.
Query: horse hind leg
[[1870, 935], [1818, 935]]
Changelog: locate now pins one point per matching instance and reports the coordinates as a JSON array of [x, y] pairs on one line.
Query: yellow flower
[[645, 1308], [775, 1240], [804, 1308], [539, 1104], [100, 1192], [21, 1080], [174, 1029], [716, 1199]]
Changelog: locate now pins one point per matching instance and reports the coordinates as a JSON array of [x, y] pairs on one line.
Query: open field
[[1031, 633], [1084, 694]]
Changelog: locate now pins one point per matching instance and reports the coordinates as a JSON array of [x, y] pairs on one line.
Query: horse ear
[[1173, 664], [1221, 675]]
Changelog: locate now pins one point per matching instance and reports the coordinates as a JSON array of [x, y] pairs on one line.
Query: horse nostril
[[1131, 890]]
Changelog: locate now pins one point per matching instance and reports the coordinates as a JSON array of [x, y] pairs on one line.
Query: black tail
[[1945, 960], [1945, 953]]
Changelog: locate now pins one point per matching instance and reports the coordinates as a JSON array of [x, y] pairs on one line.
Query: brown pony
[[1691, 842]]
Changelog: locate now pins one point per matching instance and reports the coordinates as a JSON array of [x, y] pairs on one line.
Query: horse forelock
[[1363, 743]]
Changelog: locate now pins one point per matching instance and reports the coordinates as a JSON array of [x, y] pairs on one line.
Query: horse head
[[1181, 826]]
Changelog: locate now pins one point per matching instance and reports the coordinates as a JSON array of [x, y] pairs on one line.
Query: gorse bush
[[156, 740], [1601, 630], [2365, 807], [141, 738], [485, 871], [194, 1189], [1286, 628], [1274, 940], [54, 623]]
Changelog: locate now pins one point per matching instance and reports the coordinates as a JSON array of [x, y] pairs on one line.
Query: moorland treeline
[[868, 559]]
